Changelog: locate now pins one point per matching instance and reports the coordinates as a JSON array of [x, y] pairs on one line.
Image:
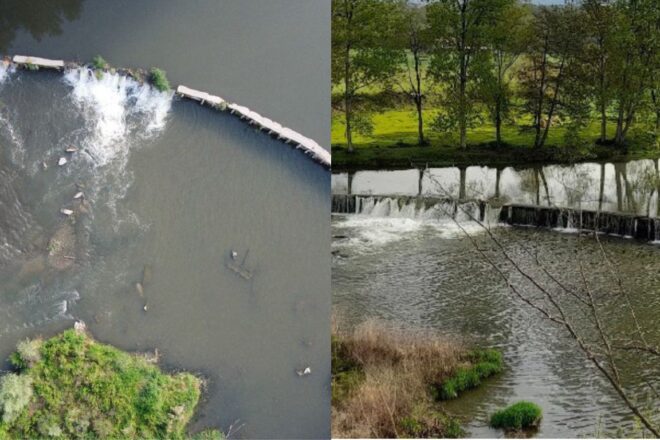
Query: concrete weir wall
[[308, 146], [614, 223]]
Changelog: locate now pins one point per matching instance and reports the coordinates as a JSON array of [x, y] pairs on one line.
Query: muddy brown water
[[175, 187]]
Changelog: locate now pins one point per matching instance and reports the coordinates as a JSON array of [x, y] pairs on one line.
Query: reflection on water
[[423, 271], [16, 15], [622, 187], [168, 188]]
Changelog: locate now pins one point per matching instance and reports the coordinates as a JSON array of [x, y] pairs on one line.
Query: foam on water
[[120, 107]]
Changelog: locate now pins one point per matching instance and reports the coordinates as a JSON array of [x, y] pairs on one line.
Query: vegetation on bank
[[159, 80], [519, 416], [386, 382], [412, 80], [71, 386]]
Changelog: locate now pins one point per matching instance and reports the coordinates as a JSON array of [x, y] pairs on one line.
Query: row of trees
[[572, 62]]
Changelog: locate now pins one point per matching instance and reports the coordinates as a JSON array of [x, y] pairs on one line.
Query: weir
[[612, 223], [291, 137]]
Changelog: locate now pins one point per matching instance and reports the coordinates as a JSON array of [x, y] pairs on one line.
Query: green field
[[393, 144]]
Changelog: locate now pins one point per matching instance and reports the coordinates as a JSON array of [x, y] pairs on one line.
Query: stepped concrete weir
[[612, 223], [290, 137]]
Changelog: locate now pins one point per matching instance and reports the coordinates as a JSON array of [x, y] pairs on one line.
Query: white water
[[120, 115], [382, 221], [120, 107]]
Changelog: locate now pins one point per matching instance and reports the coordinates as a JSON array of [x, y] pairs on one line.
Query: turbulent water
[[169, 189], [419, 266]]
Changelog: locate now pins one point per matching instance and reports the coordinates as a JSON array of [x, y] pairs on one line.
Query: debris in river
[[44, 165], [234, 254], [240, 268], [306, 372], [147, 274], [62, 161], [80, 326], [71, 149], [139, 289], [66, 211], [79, 195]]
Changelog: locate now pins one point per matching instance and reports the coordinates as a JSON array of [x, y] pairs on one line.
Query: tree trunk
[[420, 121], [462, 122], [603, 122], [461, 187], [498, 174], [498, 122], [601, 192]]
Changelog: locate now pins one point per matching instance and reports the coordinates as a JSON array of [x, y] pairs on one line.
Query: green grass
[[393, 144], [482, 364], [347, 374], [520, 415], [159, 80], [84, 389]]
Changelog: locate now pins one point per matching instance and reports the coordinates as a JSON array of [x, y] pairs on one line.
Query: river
[[417, 268], [170, 189]]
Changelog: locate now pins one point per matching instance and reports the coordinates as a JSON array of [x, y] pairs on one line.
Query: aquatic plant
[[520, 415], [98, 62], [74, 387], [30, 66], [482, 364], [159, 80]]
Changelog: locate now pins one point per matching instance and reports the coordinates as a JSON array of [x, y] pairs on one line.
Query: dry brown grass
[[398, 366]]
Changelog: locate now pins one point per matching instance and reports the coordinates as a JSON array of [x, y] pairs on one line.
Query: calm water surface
[[175, 187]]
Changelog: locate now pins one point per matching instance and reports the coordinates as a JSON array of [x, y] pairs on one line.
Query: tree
[[601, 23], [636, 48], [361, 53], [414, 42], [506, 41], [556, 43], [459, 28]]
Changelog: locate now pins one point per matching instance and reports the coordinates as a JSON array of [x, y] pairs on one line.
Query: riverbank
[[71, 386], [487, 154], [389, 382]]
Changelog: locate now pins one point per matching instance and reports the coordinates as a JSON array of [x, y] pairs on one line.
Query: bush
[[159, 79], [29, 351], [99, 63], [521, 415], [15, 395], [483, 364]]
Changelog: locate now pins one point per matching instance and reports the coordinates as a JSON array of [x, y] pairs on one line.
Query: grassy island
[[71, 386]]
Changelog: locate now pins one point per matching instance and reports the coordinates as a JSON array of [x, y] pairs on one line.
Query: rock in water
[[66, 211], [62, 247], [62, 161], [71, 149], [139, 289], [306, 372], [79, 195]]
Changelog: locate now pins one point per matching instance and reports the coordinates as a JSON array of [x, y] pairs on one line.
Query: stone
[[79, 195], [62, 161], [66, 211], [62, 247], [306, 372]]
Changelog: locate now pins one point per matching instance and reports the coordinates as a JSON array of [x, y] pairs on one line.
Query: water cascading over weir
[[612, 223], [290, 137]]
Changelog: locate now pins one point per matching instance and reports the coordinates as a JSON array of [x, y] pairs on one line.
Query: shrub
[[482, 364], [29, 351], [159, 79], [15, 395], [99, 63], [520, 415]]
